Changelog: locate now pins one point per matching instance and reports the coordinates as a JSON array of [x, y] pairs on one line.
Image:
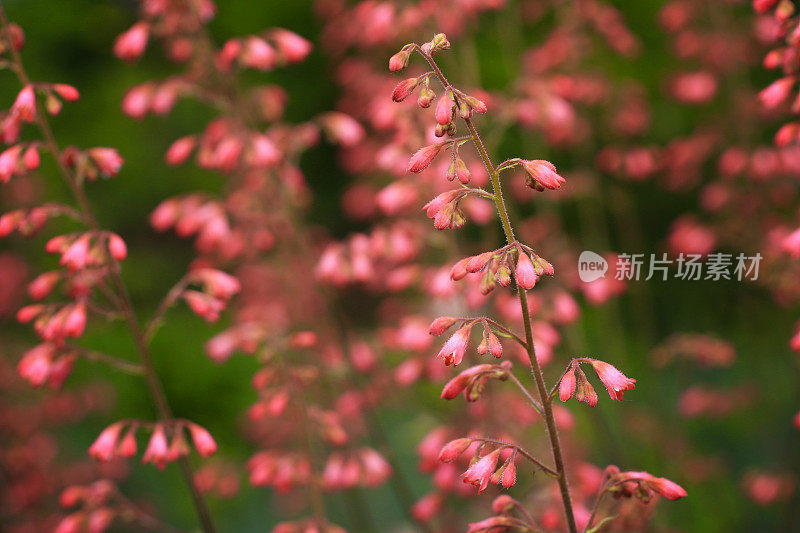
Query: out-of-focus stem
[[552, 430], [153, 382]]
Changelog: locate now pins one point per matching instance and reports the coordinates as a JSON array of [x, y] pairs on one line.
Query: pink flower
[[108, 160], [492, 524], [263, 152], [105, 446], [525, 273], [293, 47], [453, 449], [453, 350], [444, 109], [31, 158], [776, 92], [791, 244], [666, 488], [258, 54], [663, 486], [404, 89], [426, 507], [479, 473], [509, 475], [433, 207], [117, 247], [180, 150], [36, 364], [204, 305], [9, 162], [76, 255], [542, 174], [136, 102], [24, 107], [566, 388], [127, 446], [217, 283], [67, 92], [399, 61], [157, 449], [75, 321], [43, 284], [458, 384], [423, 157], [441, 324], [203, 441], [130, 45], [615, 381]]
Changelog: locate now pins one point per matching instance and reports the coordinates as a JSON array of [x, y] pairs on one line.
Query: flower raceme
[[159, 451], [574, 382], [453, 350], [497, 266]]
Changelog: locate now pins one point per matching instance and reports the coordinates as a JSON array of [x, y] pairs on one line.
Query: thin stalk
[[153, 382], [538, 376]]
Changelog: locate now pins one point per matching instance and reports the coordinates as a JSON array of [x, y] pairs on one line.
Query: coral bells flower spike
[[157, 449], [479, 473], [104, 448], [542, 175], [423, 157], [203, 441], [614, 380], [453, 350]]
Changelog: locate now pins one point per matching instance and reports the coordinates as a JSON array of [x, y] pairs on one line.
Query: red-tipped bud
[[441, 324], [399, 61], [104, 447], [67, 92], [423, 157], [444, 109], [453, 449], [130, 45], [404, 89], [542, 175], [525, 272], [203, 441], [117, 247]]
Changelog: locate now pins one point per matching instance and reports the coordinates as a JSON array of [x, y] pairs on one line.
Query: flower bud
[[399, 61], [404, 89], [441, 324], [453, 449]]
